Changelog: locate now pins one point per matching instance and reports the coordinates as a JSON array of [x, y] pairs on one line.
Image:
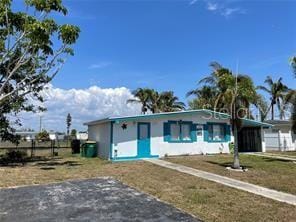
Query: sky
[[165, 45]]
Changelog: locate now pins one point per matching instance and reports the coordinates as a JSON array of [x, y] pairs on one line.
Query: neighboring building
[[82, 135], [56, 135], [280, 137], [175, 133], [26, 135]]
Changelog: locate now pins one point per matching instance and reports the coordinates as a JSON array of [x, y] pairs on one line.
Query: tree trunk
[[236, 164], [272, 111]]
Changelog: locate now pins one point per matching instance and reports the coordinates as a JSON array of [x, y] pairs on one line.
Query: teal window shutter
[[206, 134], [193, 132], [227, 133], [166, 132]]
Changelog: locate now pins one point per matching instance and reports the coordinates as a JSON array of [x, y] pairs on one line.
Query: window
[[185, 130], [178, 131], [175, 131], [216, 132]]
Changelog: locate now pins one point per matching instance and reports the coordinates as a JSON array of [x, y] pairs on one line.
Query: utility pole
[[40, 123]]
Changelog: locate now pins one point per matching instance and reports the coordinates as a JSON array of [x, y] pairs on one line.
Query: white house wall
[[280, 138], [125, 140], [101, 134]]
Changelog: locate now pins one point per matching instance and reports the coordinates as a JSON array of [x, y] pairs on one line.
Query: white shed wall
[[283, 140], [101, 134]]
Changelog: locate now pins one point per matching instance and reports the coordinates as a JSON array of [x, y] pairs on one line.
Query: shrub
[[14, 156]]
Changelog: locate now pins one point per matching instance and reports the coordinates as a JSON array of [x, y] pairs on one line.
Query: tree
[[293, 64], [33, 48], [168, 102], [73, 133], [205, 98], [263, 107], [156, 102], [43, 136], [235, 94], [68, 123], [142, 96], [277, 91]]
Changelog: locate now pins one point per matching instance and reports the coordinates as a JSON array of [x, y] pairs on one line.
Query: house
[[280, 137], [81, 135], [26, 135], [175, 133]]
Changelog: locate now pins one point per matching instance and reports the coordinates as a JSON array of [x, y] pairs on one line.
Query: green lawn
[[287, 153], [204, 199], [268, 172]]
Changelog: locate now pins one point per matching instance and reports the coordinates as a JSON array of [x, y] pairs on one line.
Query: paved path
[[101, 199], [273, 156], [262, 191]]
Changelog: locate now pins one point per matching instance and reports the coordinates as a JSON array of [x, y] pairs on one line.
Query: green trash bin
[[89, 149]]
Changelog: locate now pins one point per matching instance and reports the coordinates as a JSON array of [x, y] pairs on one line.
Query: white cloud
[[230, 11], [83, 104], [212, 6], [99, 65], [192, 2], [221, 8]]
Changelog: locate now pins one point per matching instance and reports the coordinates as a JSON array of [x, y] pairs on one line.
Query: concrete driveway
[[101, 199]]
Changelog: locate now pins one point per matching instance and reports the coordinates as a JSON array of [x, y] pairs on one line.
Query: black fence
[[38, 148]]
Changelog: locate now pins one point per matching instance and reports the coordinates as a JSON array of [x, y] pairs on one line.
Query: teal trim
[[159, 115], [206, 133], [167, 132], [111, 140], [193, 132], [226, 133], [214, 114], [143, 145], [132, 158]]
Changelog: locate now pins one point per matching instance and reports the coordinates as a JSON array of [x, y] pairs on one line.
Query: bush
[[231, 148], [14, 156]]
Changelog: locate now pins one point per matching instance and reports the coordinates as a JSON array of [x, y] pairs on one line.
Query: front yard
[[207, 200], [267, 172]]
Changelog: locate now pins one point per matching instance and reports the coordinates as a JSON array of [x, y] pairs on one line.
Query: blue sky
[[168, 45]]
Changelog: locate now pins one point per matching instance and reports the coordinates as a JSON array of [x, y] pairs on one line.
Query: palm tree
[[235, 94], [293, 63], [205, 97], [277, 91], [142, 96], [290, 101], [263, 106], [168, 102], [156, 102]]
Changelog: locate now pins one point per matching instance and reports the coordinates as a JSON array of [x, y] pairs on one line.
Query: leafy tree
[[235, 94], [73, 133], [205, 98], [277, 91], [68, 123], [291, 98], [33, 48], [142, 96], [293, 64], [43, 135], [263, 107], [156, 102], [168, 102]]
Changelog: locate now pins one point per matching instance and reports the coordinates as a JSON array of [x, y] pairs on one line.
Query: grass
[[204, 199], [263, 171], [286, 153]]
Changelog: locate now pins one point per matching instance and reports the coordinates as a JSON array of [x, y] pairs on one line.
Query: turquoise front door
[[143, 140]]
